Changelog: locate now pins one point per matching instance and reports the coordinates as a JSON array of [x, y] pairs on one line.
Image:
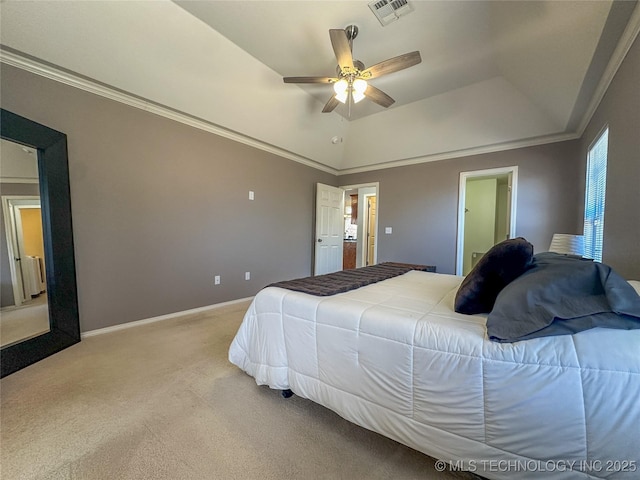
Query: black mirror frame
[[55, 200]]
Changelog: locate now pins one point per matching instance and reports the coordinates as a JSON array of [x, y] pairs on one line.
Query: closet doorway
[[486, 213]]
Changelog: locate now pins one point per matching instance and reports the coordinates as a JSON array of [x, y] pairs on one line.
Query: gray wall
[[620, 109], [159, 208], [420, 201]]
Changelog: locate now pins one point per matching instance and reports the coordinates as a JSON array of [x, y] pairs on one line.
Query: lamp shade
[[567, 244]]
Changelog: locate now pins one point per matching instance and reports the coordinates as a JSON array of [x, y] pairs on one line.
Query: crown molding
[[631, 32], [624, 44], [74, 80], [88, 85], [496, 147], [18, 180]]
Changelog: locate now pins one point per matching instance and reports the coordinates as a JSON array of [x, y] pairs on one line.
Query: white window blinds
[[594, 197]]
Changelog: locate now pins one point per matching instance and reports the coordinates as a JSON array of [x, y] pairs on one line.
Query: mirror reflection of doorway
[[24, 309]]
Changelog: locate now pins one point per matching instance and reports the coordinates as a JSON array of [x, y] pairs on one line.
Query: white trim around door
[[361, 250], [10, 205]]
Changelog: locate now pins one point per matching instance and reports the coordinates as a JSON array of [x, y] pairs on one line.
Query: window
[[594, 197]]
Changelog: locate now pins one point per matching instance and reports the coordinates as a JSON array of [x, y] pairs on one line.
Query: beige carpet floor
[[161, 401], [26, 321]]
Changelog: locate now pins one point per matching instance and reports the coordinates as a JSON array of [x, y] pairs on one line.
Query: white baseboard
[[145, 321]]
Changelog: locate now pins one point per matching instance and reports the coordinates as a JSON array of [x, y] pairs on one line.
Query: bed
[[394, 357]]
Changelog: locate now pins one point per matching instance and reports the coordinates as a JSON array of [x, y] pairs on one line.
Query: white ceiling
[[494, 75], [18, 164]]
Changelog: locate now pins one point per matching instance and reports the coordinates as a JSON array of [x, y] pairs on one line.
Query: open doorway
[[486, 213], [360, 226]]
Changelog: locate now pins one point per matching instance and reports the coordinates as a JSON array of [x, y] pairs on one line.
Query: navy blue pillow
[[502, 264]]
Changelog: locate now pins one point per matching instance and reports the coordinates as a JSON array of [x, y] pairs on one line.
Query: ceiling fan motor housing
[[357, 65], [352, 32]]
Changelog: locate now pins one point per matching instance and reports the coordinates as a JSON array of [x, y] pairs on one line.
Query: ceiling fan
[[352, 78]]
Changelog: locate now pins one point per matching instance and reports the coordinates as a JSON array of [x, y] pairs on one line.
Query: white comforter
[[395, 358]]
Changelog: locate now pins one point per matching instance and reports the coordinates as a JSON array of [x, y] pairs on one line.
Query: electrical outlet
[[216, 280], [251, 195], [247, 275], [388, 230]]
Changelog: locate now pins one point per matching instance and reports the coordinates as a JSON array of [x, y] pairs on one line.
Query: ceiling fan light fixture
[[342, 97], [341, 87], [350, 83], [359, 87], [357, 96]]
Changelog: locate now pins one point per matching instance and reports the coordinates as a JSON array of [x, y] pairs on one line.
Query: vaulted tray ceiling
[[494, 75]]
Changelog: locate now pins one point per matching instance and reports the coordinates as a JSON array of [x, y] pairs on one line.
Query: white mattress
[[395, 358]]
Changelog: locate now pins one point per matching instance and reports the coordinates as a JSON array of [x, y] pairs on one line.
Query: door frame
[[513, 195], [361, 241], [366, 230], [10, 203]]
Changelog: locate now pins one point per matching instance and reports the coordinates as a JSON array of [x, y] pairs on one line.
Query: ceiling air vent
[[386, 11]]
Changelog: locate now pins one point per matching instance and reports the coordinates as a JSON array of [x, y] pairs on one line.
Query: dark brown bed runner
[[339, 282]]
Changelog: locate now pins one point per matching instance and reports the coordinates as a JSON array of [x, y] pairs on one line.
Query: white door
[[329, 229]]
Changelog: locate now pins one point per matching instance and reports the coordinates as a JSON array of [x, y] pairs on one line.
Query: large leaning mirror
[[39, 312], [24, 311]]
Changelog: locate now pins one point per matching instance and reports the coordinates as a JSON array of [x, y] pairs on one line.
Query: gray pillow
[[562, 295], [502, 264]]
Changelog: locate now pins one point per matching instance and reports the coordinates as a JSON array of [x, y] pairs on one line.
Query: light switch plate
[[388, 230]]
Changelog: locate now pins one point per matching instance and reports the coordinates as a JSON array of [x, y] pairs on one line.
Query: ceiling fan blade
[[392, 65], [310, 80], [341, 48], [331, 104], [378, 96]]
